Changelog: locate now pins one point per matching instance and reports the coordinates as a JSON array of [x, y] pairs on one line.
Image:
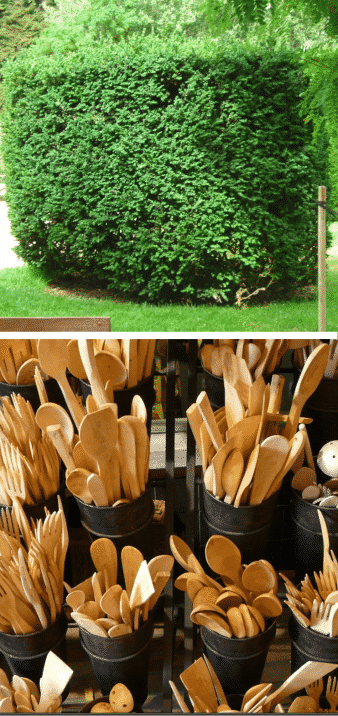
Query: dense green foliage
[[170, 168], [218, 12], [21, 22]]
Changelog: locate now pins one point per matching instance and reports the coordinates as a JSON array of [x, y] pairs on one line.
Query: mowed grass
[[25, 293]]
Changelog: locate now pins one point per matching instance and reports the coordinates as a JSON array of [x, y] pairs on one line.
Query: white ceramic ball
[[328, 459]]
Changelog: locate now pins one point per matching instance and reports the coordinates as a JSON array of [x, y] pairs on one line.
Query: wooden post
[[321, 261]]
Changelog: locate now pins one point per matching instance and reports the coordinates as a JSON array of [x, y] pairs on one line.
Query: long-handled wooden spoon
[[53, 358], [308, 381]]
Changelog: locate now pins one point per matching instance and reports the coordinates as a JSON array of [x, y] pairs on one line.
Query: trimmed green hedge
[[173, 173]]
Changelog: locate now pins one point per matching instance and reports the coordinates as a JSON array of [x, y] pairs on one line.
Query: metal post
[[321, 260]]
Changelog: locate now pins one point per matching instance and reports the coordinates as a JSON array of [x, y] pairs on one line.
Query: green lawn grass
[[23, 293]]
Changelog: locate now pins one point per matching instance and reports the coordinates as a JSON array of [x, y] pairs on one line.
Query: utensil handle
[[77, 411], [54, 432], [86, 351]]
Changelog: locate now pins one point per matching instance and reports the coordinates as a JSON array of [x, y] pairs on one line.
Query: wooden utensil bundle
[[136, 355], [207, 696], [243, 464], [103, 607], [206, 693], [29, 462], [110, 462], [18, 358], [242, 606], [301, 355], [31, 575], [22, 695], [259, 356], [317, 608]]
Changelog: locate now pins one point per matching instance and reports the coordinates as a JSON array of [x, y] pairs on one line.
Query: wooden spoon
[[268, 605], [75, 599], [86, 351], [76, 482], [244, 434], [111, 368], [205, 409], [272, 456], [104, 555], [224, 558], [257, 577], [138, 409], [97, 490], [87, 623], [255, 399], [60, 443], [53, 414], [213, 621], [26, 372], [253, 695], [247, 477], [251, 355], [83, 459], [232, 473], [296, 446], [131, 559], [110, 603], [74, 360], [99, 435], [308, 381], [128, 460], [236, 622], [53, 358]]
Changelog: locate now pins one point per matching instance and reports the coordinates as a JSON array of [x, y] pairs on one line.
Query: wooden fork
[[332, 693]]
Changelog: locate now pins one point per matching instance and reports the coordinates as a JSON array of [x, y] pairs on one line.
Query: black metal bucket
[[322, 407], [238, 663], [123, 659], [310, 645], [214, 388], [124, 397], [126, 524], [280, 551], [307, 535], [26, 653], [248, 526]]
